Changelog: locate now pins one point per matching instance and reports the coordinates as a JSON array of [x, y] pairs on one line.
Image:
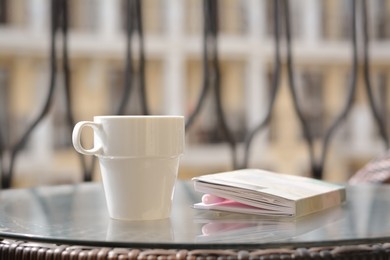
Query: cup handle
[[76, 138]]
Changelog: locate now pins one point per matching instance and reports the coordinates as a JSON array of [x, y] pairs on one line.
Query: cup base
[[139, 188]]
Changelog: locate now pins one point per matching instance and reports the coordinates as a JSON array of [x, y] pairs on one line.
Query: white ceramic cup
[[139, 161]]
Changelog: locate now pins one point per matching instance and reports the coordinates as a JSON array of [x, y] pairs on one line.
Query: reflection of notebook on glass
[[255, 231], [243, 228], [261, 192]]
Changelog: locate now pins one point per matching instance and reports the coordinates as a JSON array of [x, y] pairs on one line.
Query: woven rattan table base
[[12, 249]]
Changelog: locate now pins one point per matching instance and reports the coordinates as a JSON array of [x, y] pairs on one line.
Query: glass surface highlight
[[78, 215]]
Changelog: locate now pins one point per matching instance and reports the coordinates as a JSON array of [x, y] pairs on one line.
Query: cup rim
[[139, 116], [141, 156]]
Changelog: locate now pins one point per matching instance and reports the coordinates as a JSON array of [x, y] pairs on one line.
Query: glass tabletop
[[77, 214]]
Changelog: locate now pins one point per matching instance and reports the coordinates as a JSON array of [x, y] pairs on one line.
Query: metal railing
[[210, 84]]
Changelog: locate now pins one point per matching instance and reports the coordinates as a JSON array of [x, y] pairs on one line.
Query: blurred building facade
[[173, 42]]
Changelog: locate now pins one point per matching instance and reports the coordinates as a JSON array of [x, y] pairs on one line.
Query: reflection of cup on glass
[[151, 231], [139, 160]]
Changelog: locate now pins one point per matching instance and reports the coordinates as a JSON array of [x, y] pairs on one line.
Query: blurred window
[[336, 19], [3, 12], [205, 127], [4, 107], [83, 15], [379, 12], [61, 130], [295, 19], [152, 16], [310, 93], [232, 15], [380, 89], [193, 17], [117, 87]]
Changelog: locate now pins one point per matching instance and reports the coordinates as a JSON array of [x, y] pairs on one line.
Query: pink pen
[[211, 199]]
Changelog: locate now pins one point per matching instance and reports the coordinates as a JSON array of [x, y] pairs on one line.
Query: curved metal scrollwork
[[211, 83], [317, 162], [59, 23], [212, 74], [59, 20]]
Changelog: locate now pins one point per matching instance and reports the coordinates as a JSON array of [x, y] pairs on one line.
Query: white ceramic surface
[[139, 161], [127, 136]]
